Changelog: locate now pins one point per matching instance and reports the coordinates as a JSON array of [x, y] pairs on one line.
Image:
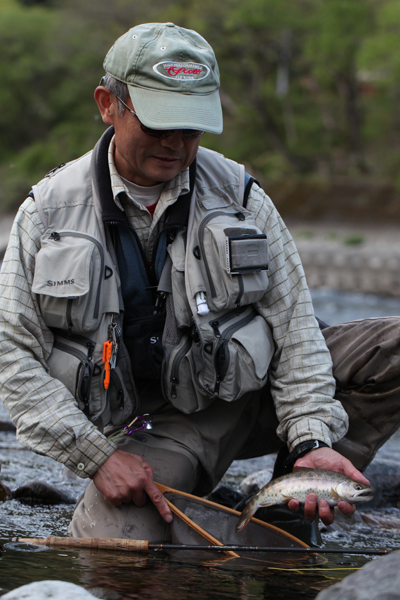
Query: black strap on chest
[[144, 318]]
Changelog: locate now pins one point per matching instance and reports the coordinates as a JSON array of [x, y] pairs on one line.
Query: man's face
[[141, 158]]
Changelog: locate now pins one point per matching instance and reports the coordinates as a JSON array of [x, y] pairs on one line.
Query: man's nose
[[174, 141]]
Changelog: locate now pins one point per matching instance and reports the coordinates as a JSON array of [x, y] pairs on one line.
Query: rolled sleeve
[[45, 413]]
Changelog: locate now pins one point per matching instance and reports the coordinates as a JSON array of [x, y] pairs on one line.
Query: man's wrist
[[301, 450]]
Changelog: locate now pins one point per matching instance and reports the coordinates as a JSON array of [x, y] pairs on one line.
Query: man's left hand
[[328, 459]]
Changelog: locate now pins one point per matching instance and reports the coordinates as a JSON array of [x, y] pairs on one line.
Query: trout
[[327, 485]]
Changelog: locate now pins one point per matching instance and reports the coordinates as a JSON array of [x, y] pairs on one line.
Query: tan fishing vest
[[219, 265]]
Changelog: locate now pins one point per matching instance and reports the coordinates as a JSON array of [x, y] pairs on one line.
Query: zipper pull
[[86, 372], [173, 387], [90, 346], [215, 325]]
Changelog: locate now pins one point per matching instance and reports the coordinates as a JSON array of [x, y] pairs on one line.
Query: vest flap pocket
[[259, 347], [63, 270], [68, 280]]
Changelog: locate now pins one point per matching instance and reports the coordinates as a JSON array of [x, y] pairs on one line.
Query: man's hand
[[328, 459], [126, 478]]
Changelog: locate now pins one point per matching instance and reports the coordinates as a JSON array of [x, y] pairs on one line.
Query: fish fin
[[334, 494], [267, 504], [287, 498]]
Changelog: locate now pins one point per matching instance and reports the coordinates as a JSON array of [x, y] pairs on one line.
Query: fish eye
[[358, 487]]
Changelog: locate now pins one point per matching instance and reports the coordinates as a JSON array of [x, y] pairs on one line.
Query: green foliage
[[310, 87]]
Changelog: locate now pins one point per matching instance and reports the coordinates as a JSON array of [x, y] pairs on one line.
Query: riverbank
[[347, 257]]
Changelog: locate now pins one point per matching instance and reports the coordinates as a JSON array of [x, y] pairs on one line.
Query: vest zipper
[[120, 392], [240, 216], [174, 378]]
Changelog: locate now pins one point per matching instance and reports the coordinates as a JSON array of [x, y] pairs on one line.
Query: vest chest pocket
[[69, 272], [234, 259]]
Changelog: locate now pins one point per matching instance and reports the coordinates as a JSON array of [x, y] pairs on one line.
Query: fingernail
[[169, 518]]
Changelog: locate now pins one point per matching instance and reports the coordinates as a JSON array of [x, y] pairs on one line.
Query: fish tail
[[244, 518]]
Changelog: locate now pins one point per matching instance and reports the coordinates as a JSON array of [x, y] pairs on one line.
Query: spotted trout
[[327, 485]]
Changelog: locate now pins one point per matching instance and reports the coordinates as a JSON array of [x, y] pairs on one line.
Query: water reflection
[[159, 576], [335, 307]]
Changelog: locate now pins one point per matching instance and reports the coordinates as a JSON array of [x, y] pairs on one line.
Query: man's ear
[[104, 100]]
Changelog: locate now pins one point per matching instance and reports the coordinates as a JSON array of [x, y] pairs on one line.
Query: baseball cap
[[172, 76]]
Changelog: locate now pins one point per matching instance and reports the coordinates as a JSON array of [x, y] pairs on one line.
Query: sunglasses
[[188, 134]]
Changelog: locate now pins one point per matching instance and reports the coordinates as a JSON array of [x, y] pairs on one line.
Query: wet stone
[[378, 580], [5, 492], [226, 495], [39, 492], [43, 590]]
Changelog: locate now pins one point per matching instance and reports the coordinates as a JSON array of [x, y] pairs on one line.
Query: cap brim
[[172, 110]]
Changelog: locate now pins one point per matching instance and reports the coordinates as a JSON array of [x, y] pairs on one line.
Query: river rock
[[255, 481], [43, 590], [384, 475], [377, 580], [5, 492], [226, 495], [39, 492]]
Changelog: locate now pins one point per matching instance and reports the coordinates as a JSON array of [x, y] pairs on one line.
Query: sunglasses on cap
[[188, 134]]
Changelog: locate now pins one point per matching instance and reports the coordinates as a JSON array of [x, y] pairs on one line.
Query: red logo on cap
[[182, 71], [174, 71]]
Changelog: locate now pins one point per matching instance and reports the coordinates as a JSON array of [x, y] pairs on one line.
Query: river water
[[156, 576]]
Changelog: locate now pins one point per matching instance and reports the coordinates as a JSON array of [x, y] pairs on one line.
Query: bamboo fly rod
[[145, 546]]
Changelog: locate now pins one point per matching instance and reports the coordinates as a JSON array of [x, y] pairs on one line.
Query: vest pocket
[[72, 363], [233, 254], [221, 358], [69, 270]]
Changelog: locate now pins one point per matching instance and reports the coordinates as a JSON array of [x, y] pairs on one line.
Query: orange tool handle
[[107, 353]]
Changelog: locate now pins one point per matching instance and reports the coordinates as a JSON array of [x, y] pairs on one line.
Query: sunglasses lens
[[191, 134], [157, 133], [188, 134]]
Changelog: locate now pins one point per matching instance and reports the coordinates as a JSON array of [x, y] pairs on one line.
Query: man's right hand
[[126, 478]]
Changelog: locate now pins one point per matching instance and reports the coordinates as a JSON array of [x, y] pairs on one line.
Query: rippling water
[[119, 576]]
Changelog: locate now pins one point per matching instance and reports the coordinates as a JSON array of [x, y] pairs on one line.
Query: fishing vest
[[215, 344]]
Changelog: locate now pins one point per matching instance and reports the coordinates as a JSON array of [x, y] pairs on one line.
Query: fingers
[[294, 505], [325, 512], [349, 469], [159, 501], [126, 478], [310, 507], [313, 509], [346, 508]]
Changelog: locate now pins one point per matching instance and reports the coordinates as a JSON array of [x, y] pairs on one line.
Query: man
[[136, 283]]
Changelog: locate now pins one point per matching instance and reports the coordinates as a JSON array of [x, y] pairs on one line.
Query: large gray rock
[[43, 590], [378, 580]]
